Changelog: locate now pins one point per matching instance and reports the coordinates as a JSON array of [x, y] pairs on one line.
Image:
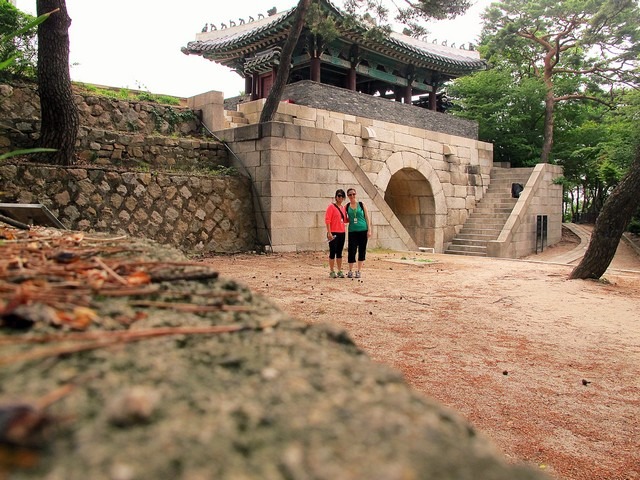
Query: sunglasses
[[351, 194], [339, 196]]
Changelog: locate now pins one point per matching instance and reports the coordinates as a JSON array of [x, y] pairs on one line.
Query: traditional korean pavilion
[[392, 66]]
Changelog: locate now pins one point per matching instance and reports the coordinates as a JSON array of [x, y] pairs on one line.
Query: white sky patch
[[136, 43]]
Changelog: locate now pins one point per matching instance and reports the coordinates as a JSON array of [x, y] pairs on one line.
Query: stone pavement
[[572, 257], [578, 252]]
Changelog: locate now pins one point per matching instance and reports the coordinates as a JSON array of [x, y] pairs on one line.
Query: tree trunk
[[59, 112], [610, 225], [547, 143], [273, 99]]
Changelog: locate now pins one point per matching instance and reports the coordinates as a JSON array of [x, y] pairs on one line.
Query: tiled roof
[[229, 45], [263, 61]]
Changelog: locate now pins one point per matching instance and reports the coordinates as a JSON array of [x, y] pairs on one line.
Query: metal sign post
[[541, 232]]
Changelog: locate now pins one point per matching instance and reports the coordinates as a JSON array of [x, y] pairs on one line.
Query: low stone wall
[[273, 398], [122, 149], [20, 101], [540, 197], [196, 213], [122, 132], [106, 147], [327, 97]]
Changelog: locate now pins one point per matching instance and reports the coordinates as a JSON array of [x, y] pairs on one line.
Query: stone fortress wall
[[419, 182], [298, 167]]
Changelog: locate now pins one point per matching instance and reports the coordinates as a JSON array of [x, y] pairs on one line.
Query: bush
[[18, 47], [634, 226]]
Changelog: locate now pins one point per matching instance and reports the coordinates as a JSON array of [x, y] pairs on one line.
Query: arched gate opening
[[410, 196]]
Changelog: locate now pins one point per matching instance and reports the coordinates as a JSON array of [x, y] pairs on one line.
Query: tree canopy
[[575, 48], [509, 113], [19, 49], [406, 12]]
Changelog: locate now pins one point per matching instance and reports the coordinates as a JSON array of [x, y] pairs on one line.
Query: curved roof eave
[[225, 48], [240, 39]]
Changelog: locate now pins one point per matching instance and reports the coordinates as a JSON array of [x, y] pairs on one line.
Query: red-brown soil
[[547, 367]]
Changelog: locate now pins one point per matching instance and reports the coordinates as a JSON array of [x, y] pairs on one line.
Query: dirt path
[[548, 368]]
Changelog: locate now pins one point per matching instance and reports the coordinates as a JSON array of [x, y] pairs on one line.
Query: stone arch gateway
[[414, 193]]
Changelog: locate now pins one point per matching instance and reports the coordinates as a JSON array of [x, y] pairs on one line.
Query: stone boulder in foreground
[[123, 360]]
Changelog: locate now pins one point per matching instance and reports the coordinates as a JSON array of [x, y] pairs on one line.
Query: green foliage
[[27, 151], [508, 109], [577, 48], [18, 52], [13, 27], [592, 39], [593, 142], [171, 117], [320, 24], [129, 95], [222, 170], [163, 99], [416, 9], [375, 15], [634, 226]]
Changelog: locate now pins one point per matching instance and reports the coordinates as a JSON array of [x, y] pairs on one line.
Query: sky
[[136, 44]]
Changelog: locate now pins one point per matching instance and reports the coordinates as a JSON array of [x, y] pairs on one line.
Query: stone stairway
[[233, 119], [491, 213]]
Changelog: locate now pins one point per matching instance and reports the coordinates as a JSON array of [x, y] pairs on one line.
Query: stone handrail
[[505, 245]]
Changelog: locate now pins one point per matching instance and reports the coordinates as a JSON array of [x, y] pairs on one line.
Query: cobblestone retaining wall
[[115, 132], [20, 101], [174, 205], [191, 212]]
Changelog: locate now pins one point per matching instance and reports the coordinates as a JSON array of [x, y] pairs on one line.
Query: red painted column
[[433, 100], [255, 78], [315, 69], [351, 79], [407, 94]]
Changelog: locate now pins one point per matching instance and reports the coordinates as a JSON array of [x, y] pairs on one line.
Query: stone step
[[489, 222], [492, 232], [506, 185], [489, 215], [470, 242], [488, 218], [500, 172], [485, 236], [506, 178], [490, 209], [510, 179], [504, 194], [502, 197], [466, 250], [495, 206]]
